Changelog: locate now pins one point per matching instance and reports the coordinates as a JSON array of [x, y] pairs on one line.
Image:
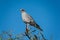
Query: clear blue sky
[[45, 12]]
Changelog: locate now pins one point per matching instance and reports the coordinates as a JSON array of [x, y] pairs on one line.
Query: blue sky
[[45, 12]]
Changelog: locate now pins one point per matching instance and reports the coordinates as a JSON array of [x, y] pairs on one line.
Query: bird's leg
[[27, 26], [27, 29]]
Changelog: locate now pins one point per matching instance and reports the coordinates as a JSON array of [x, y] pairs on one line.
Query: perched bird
[[29, 20]]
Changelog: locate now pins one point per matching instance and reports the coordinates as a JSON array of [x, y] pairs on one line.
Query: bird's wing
[[33, 23], [30, 17]]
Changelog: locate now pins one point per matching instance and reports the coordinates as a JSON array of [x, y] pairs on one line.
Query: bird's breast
[[25, 17]]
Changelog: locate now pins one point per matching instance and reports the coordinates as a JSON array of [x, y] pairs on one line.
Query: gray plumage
[[29, 20]]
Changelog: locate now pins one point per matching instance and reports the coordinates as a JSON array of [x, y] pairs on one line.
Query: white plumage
[[26, 17]]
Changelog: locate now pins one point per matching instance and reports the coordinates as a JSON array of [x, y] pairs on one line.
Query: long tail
[[38, 27]]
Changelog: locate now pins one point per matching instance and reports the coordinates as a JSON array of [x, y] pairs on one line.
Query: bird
[[28, 20]]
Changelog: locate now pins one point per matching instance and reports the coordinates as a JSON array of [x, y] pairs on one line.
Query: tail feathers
[[38, 27]]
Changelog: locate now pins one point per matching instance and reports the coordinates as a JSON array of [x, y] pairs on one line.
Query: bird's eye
[[22, 10]]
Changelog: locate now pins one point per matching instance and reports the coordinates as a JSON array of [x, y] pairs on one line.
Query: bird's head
[[22, 10]]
